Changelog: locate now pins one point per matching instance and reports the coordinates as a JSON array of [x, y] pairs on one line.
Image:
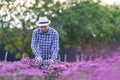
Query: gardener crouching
[[45, 42]]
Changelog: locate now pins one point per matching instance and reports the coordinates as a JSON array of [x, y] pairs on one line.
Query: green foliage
[[88, 21], [16, 40]]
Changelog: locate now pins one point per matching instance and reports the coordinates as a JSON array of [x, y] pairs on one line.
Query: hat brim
[[43, 24]]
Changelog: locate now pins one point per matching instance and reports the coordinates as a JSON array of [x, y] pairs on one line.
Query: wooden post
[[77, 58], [90, 58], [82, 57], [6, 54], [65, 58], [101, 57]]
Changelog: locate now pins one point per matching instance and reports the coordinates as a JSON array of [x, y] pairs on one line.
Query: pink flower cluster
[[107, 69]]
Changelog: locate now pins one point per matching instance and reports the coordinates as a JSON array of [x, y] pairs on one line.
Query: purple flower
[[32, 72]]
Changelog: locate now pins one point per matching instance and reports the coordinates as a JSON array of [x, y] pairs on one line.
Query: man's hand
[[39, 59], [50, 61]]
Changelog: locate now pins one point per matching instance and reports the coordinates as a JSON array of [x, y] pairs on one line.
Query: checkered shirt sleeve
[[34, 44]]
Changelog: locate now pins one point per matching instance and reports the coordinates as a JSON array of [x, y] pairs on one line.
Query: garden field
[[107, 69]]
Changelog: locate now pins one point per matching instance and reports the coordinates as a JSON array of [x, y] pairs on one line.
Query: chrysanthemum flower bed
[[107, 69]]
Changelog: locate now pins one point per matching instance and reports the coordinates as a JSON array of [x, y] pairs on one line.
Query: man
[[45, 42]]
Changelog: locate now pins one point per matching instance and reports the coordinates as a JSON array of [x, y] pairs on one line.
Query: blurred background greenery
[[85, 27]]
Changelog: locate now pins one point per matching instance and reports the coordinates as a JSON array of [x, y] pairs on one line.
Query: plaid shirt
[[45, 45]]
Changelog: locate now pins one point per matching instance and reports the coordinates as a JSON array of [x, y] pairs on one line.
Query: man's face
[[44, 29]]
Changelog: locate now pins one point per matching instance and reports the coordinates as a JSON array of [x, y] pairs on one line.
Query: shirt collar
[[47, 32]]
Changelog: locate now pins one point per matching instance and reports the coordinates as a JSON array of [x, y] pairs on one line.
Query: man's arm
[[55, 46], [34, 45]]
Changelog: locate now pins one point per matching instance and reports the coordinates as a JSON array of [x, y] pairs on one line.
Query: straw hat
[[43, 21]]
